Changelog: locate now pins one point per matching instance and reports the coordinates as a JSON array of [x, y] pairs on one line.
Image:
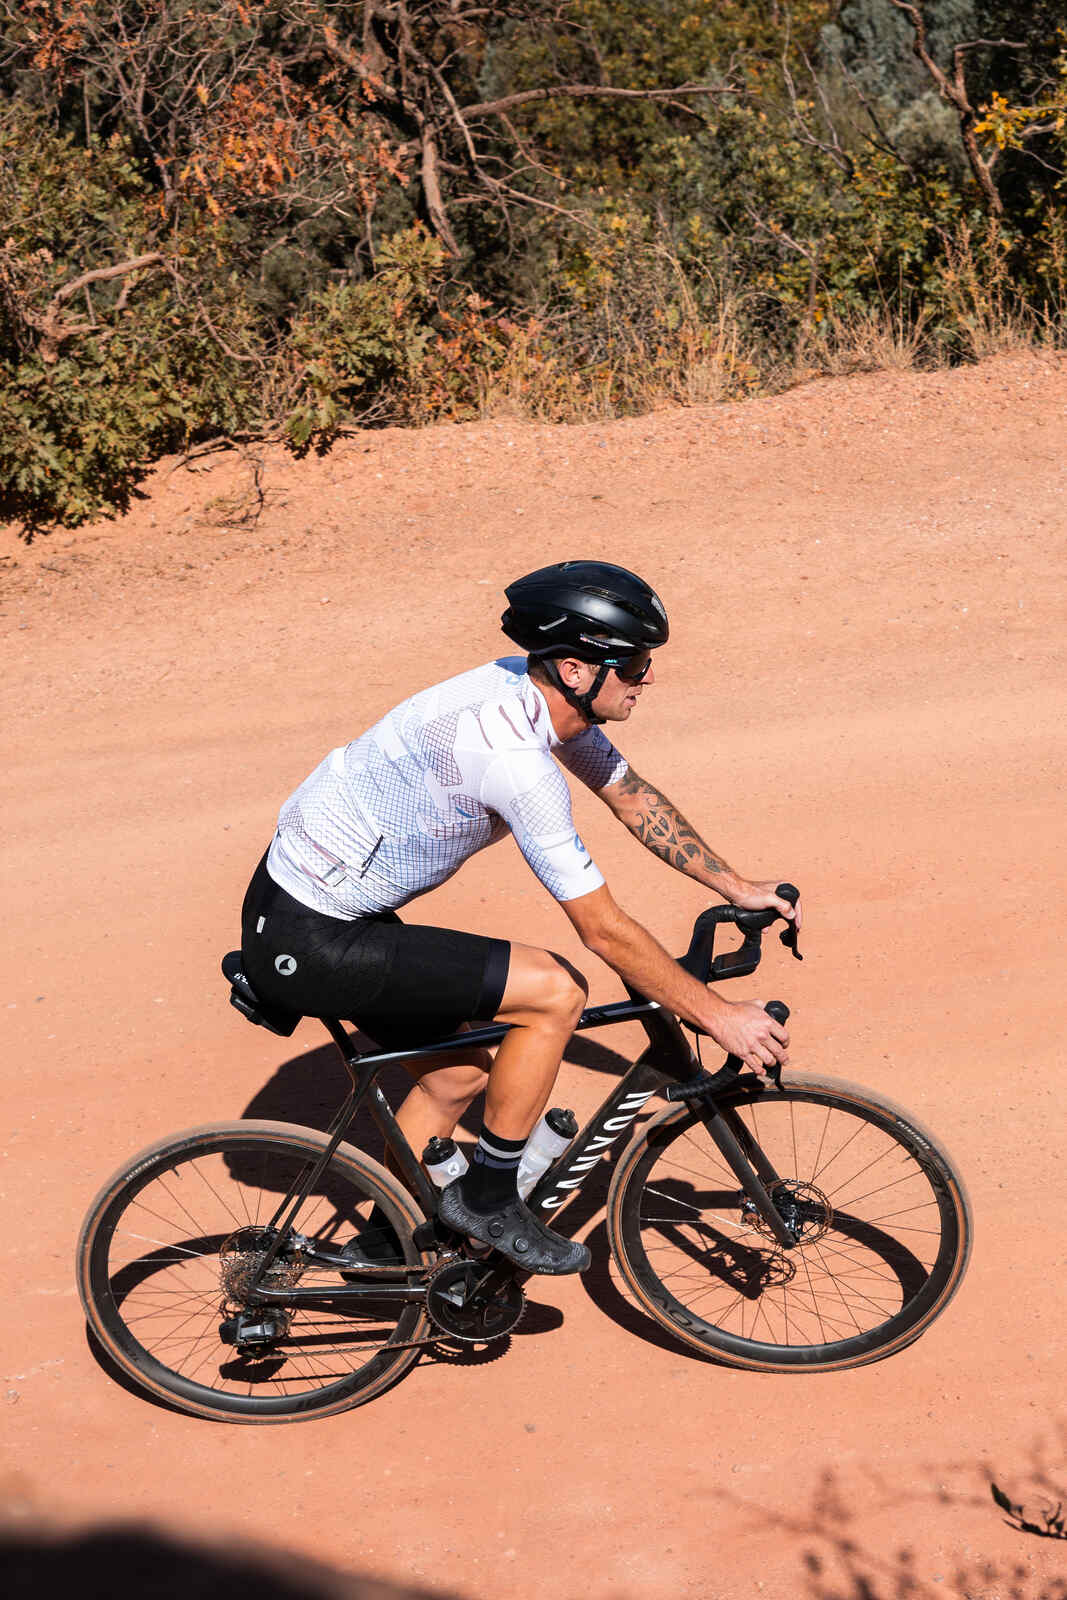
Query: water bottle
[[549, 1139], [444, 1161]]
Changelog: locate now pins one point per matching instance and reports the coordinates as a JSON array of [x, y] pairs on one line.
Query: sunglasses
[[633, 669]]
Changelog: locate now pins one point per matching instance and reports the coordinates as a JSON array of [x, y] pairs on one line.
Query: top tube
[[592, 1017]]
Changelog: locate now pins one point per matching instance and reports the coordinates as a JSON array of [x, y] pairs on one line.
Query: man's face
[[618, 695]]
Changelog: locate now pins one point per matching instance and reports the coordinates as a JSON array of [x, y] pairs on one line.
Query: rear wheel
[[879, 1216], [170, 1249]]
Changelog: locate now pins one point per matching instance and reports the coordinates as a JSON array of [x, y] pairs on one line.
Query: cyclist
[[447, 772]]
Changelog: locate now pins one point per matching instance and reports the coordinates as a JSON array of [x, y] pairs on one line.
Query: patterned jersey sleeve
[[593, 758], [530, 793]]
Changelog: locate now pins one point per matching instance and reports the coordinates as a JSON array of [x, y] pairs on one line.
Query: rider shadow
[[310, 1089], [596, 1057]]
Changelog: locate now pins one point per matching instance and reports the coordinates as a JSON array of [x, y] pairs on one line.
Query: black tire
[[886, 1229], [160, 1262]]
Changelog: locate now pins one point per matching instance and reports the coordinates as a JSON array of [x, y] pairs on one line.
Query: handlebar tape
[[705, 1084]]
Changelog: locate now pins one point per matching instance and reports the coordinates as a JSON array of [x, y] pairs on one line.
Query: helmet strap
[[582, 703]]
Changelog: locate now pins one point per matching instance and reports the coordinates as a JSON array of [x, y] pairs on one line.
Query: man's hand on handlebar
[[745, 1030], [765, 897]]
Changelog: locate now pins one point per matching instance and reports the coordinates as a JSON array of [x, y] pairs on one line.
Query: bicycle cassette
[[459, 1307]]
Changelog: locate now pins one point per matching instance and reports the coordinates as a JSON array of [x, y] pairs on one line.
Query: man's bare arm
[[661, 828], [742, 1027]]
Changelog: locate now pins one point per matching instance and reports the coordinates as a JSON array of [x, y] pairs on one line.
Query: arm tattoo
[[661, 828]]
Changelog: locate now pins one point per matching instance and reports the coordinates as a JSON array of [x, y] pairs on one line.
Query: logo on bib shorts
[[286, 965]]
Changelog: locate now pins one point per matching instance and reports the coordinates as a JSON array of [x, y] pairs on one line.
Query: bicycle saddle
[[248, 1003]]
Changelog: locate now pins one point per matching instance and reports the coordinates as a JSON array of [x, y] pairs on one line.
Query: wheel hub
[[804, 1209], [459, 1307]]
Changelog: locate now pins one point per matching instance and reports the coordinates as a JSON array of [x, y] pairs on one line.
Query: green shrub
[[96, 386], [357, 348]]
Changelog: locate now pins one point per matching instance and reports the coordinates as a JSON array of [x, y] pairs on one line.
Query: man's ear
[[570, 670]]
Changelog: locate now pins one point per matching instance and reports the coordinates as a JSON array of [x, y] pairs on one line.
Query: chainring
[[458, 1309]]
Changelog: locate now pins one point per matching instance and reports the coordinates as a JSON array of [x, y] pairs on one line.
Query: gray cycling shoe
[[515, 1232]]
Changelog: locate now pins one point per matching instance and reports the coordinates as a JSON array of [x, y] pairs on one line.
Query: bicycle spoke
[[868, 1225], [185, 1248]]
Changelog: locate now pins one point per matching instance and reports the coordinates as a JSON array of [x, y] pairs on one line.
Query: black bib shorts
[[404, 985]]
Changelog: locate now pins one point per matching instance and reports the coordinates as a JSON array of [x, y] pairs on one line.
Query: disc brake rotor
[[804, 1209]]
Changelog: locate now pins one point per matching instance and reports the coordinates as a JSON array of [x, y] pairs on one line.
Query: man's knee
[[565, 990], [543, 988]]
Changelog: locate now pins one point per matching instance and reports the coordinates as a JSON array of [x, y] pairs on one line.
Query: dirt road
[[864, 692]]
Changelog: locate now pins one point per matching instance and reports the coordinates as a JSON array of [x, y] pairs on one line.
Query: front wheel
[[879, 1218], [175, 1243]]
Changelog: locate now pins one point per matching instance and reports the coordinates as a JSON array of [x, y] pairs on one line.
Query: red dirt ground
[[864, 692]]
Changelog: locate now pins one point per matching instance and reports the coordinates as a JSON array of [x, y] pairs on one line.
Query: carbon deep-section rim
[[166, 1250], [881, 1216]]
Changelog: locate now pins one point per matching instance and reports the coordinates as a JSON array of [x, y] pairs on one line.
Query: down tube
[[667, 1059]]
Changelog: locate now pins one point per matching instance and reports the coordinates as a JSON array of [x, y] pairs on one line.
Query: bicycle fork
[[749, 1165]]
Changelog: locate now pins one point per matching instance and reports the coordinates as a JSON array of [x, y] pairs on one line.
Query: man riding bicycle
[[447, 772]]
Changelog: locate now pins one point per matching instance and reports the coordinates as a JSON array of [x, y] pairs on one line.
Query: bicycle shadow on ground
[[117, 1560]]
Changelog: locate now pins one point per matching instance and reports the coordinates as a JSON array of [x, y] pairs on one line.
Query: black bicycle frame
[[667, 1059]]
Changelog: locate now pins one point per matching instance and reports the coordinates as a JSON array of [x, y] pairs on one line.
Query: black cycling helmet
[[586, 609]]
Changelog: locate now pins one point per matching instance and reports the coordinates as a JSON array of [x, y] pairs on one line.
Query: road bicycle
[[262, 1272]]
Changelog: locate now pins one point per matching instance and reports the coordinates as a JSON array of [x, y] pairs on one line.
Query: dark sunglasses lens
[[635, 668]]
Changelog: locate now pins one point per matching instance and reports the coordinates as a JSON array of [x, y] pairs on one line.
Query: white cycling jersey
[[444, 774]]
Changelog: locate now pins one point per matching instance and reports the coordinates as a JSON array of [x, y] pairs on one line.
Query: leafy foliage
[[87, 401], [360, 346], [296, 217]]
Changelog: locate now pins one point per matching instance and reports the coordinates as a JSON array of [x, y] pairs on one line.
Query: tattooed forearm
[[661, 828]]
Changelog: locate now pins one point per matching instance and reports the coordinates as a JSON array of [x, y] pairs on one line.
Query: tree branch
[[581, 91], [99, 274], [832, 147], [431, 189], [954, 93], [51, 327]]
